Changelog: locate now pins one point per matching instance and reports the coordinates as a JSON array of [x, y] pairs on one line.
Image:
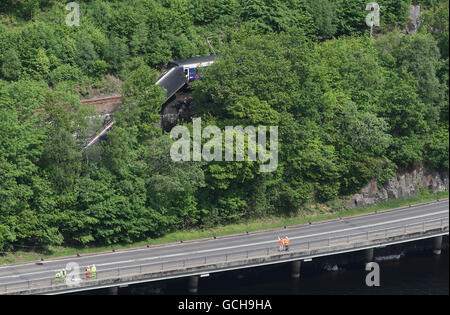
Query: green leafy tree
[[172, 185], [20, 148], [11, 65], [419, 55], [437, 147], [436, 22], [85, 55], [324, 14], [116, 54], [143, 101]]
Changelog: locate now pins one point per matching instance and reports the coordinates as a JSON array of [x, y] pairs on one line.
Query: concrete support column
[[369, 255], [295, 269], [113, 290], [193, 284], [437, 245]]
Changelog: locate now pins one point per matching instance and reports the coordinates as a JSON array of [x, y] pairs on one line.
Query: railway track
[[104, 105]]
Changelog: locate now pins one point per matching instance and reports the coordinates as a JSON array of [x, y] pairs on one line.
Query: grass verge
[[315, 213]]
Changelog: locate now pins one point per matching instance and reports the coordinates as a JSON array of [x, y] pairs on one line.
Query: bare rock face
[[415, 20], [181, 108], [404, 184]]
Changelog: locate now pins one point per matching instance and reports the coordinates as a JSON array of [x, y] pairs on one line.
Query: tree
[[437, 147], [172, 185], [419, 55], [20, 147], [142, 102], [213, 11], [276, 16], [116, 54], [85, 55], [436, 22], [351, 17], [11, 65], [61, 158], [324, 14]]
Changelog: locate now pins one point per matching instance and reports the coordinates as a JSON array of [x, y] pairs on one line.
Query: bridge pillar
[[295, 269], [437, 245], [193, 284], [369, 255], [113, 290]]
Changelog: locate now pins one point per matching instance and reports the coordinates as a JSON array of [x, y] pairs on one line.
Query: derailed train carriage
[[182, 72]]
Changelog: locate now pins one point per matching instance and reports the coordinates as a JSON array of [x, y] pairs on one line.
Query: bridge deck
[[233, 252]]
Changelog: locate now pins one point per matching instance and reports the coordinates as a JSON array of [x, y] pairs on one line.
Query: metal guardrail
[[329, 242]]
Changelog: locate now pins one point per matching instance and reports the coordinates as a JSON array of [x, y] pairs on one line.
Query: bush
[[11, 65], [99, 68], [65, 72]]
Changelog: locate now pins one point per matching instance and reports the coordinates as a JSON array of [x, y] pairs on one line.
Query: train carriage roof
[[174, 78], [195, 62], [172, 81]]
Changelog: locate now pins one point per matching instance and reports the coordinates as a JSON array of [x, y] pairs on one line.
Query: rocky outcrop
[[415, 20], [181, 108], [404, 184]]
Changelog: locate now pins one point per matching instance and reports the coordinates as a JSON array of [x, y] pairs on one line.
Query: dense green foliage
[[349, 109]]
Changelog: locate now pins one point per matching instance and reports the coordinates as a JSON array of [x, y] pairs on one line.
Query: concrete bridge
[[195, 259]]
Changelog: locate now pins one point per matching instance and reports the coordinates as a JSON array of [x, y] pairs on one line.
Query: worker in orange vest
[[286, 243], [281, 243], [88, 271]]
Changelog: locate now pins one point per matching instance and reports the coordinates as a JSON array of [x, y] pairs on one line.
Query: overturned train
[[182, 72]]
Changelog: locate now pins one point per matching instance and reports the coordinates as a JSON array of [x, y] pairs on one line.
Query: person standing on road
[[88, 271], [286, 243], [93, 271], [281, 243], [57, 276]]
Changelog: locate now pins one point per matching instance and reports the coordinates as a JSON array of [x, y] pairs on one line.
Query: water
[[410, 274]]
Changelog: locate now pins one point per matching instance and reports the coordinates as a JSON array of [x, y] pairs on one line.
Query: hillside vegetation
[[349, 108]]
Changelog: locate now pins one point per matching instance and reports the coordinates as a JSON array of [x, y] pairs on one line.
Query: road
[[230, 245]]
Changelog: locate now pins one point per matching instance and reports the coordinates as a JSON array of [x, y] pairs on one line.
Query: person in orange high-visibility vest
[[281, 243], [88, 271], [286, 243]]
